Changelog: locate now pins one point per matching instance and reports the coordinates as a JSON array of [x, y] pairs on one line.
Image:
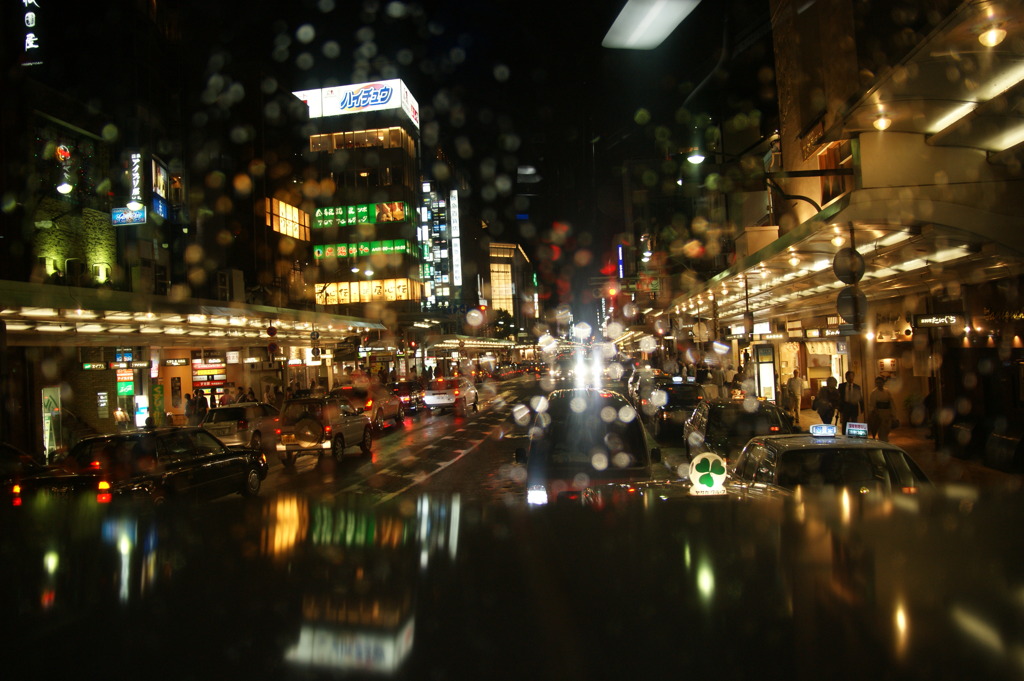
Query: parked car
[[314, 425], [456, 394], [823, 458], [14, 466], [376, 399], [157, 464], [574, 445], [725, 426], [410, 393], [243, 423]]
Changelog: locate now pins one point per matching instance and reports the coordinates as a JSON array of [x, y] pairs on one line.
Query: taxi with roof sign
[[824, 458]]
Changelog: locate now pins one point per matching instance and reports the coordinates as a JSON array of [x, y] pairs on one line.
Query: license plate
[[288, 439]]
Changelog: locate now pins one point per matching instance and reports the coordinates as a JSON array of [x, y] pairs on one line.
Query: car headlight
[[536, 494]]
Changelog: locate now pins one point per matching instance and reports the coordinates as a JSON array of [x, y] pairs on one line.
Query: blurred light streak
[[902, 629], [980, 631], [706, 581]]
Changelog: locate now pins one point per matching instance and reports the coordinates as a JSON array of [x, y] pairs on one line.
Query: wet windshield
[[719, 220]]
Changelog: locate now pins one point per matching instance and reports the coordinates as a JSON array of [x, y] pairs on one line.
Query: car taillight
[[369, 405], [277, 431], [103, 495], [773, 429], [243, 424], [327, 429], [456, 392], [95, 465]]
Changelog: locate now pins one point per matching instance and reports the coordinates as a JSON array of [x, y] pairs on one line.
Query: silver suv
[[245, 424], [457, 394], [322, 425]]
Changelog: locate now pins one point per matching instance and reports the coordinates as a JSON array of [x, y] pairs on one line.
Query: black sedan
[[158, 464], [15, 465], [669, 401], [409, 392], [582, 437], [725, 426]]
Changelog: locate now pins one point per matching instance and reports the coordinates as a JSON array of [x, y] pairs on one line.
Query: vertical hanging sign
[[32, 45]]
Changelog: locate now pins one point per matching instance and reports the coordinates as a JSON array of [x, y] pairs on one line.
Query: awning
[[49, 314]]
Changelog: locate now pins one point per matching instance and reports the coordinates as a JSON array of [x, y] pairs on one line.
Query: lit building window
[[287, 219]]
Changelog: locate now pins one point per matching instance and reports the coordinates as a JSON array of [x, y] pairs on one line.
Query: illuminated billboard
[[363, 248], [381, 95], [367, 213], [377, 290], [127, 216]]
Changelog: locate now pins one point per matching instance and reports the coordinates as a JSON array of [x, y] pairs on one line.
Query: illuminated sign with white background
[[381, 95]]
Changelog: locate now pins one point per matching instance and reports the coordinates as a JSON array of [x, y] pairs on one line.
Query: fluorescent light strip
[[990, 90], [952, 117], [1006, 139], [645, 24]]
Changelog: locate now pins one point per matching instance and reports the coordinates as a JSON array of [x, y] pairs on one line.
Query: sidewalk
[[940, 466]]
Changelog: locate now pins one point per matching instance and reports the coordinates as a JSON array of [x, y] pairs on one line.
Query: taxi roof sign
[[823, 430], [707, 475], [854, 429]]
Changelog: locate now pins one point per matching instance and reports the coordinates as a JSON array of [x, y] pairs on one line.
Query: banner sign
[[341, 100], [127, 216]]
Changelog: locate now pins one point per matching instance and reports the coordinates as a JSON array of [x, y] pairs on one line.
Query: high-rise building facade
[[363, 231], [441, 243]]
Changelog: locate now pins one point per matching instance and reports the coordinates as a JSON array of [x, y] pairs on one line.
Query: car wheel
[[251, 487], [288, 459], [256, 442], [378, 421], [338, 448], [367, 444], [309, 432], [476, 405], [400, 416]]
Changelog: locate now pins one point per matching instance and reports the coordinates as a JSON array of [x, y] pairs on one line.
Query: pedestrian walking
[[190, 410], [827, 400], [880, 411], [202, 406], [851, 400], [795, 388]]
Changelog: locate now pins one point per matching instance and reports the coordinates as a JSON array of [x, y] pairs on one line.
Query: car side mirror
[[520, 455], [655, 454]]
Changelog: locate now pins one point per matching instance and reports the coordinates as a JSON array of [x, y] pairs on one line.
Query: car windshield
[[232, 231], [225, 414], [293, 412], [405, 386], [594, 436], [735, 425], [444, 384], [679, 394], [847, 467]]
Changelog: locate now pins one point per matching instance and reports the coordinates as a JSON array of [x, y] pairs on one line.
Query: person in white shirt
[[795, 388]]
